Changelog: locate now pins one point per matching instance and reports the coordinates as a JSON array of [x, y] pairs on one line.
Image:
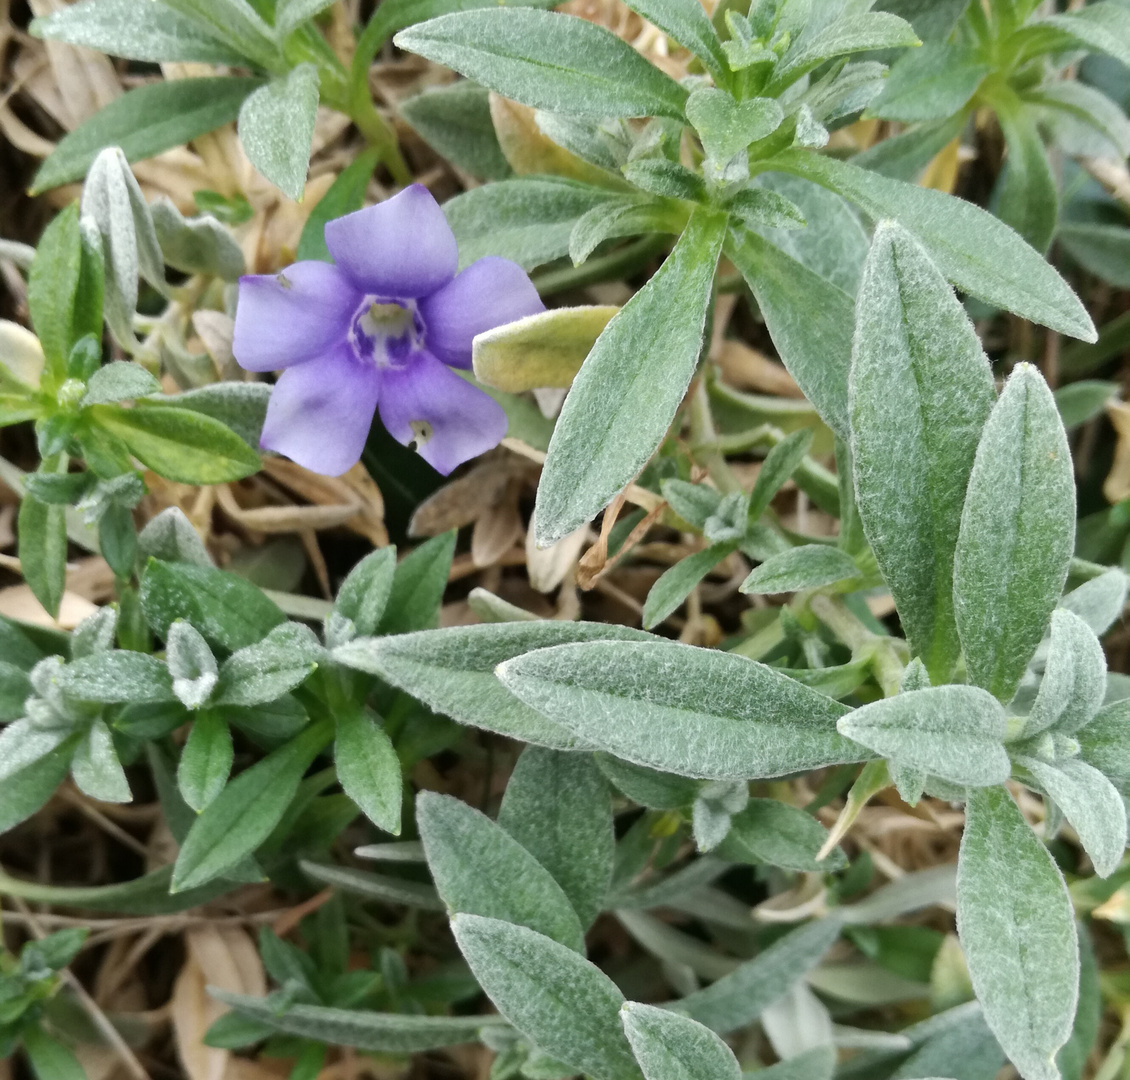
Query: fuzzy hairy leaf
[[452, 671], [919, 394], [1017, 928], [566, 1006], [777, 834], [1017, 534], [628, 389], [1074, 681], [809, 566], [276, 127], [676, 582], [1105, 743], [558, 807], [549, 61], [693, 712], [368, 768], [673, 1047], [931, 83], [953, 732], [206, 761], [480, 869]]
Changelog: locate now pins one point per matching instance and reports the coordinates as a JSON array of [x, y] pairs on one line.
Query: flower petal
[[448, 419], [284, 319], [489, 293], [400, 248], [320, 412]]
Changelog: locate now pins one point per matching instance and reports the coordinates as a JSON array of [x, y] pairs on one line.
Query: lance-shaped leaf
[[675, 583], [628, 390], [974, 250], [566, 1006], [919, 394], [777, 834], [480, 869], [686, 22], [276, 126], [1017, 928], [1017, 534], [1074, 679], [808, 318], [673, 1047], [548, 60], [1100, 601], [692, 712], [1103, 27], [954, 732], [558, 807], [452, 671], [1105, 743], [1027, 195], [1090, 802], [931, 83], [809, 566], [368, 769]]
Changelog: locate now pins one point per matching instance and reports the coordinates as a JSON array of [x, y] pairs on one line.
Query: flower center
[[386, 332]]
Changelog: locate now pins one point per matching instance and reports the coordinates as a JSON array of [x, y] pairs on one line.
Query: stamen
[[423, 432]]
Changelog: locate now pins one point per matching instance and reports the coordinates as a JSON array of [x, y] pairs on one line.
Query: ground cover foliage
[[745, 693]]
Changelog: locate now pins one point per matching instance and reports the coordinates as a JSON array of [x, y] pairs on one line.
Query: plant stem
[[702, 435], [615, 264], [835, 614]]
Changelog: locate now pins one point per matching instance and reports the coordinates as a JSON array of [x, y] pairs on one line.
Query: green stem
[[615, 264], [703, 434], [835, 614]]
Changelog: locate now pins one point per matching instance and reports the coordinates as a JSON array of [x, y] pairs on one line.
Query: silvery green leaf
[[382, 887], [630, 386], [775, 834], [810, 566], [710, 822], [191, 664], [383, 1033], [1074, 681], [241, 406], [547, 60], [851, 33], [797, 1022], [686, 22], [675, 584], [134, 30], [558, 807], [808, 318], [96, 769], [23, 742], [290, 14], [528, 220], [276, 128], [116, 676], [930, 83], [1105, 742], [1073, 1056], [1017, 928], [199, 245], [95, 634], [694, 503], [1102, 27], [737, 999], [965, 1051], [1100, 601], [452, 671], [15, 689], [455, 121], [364, 593], [206, 760], [660, 176], [262, 672], [919, 394], [1027, 193], [693, 712], [759, 208], [809, 131], [673, 1047], [779, 465], [1017, 534], [480, 869], [619, 217], [954, 732], [119, 380], [235, 22], [170, 537], [727, 127], [368, 768], [905, 156], [974, 251], [112, 201], [566, 1006], [648, 787], [27, 787], [1082, 118], [1090, 803]]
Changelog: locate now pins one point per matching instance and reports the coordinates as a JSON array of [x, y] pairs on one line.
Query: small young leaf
[[455, 121], [364, 594], [191, 664], [1017, 928], [244, 814], [549, 61], [779, 465], [116, 677], [954, 732], [170, 537], [1074, 679], [673, 1047], [276, 127], [52, 284], [418, 585], [919, 394], [566, 1006], [50, 1059], [693, 712], [205, 761], [726, 127], [368, 769], [810, 566], [95, 766], [480, 869], [1100, 601], [558, 807], [43, 551], [776, 834], [686, 22], [930, 83], [1027, 193], [199, 245], [1017, 533], [628, 390], [676, 583], [1090, 802], [1105, 742], [270, 668]]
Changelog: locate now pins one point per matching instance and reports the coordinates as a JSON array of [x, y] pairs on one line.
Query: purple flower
[[380, 328]]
